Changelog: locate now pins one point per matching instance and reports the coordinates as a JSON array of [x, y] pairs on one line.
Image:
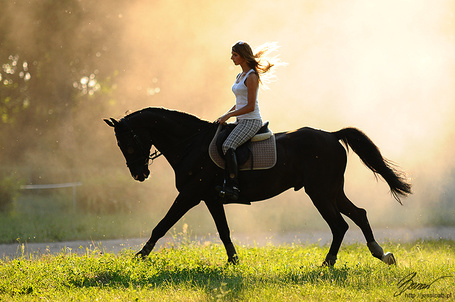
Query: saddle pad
[[263, 153]]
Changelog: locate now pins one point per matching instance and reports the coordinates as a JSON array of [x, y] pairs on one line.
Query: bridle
[[146, 155]]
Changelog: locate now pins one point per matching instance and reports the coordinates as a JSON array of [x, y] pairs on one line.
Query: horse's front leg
[[182, 204], [219, 216]]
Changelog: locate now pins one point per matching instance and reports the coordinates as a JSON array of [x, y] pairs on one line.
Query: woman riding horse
[[246, 109], [306, 158]]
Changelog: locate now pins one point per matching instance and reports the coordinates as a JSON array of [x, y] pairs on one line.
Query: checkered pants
[[245, 130]]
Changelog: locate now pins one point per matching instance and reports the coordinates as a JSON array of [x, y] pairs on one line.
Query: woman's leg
[[243, 132]]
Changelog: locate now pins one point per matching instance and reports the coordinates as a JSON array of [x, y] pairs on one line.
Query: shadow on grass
[[230, 281]]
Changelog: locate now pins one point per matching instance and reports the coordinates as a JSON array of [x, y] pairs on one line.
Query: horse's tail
[[372, 158]]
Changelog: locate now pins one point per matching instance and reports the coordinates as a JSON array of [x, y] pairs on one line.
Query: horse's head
[[135, 145]]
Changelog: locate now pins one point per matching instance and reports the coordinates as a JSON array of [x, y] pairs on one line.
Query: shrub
[[9, 189]]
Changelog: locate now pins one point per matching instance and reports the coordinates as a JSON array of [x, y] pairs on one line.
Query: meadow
[[191, 269], [198, 272], [51, 217]]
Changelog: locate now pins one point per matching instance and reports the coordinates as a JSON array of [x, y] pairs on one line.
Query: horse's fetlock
[[375, 249]]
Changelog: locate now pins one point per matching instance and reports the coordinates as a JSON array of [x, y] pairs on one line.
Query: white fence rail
[[73, 185]]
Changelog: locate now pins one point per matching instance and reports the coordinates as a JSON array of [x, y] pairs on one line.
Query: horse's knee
[[341, 228], [362, 214], [345, 227]]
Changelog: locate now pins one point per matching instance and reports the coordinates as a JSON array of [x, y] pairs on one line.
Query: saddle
[[257, 153], [243, 152]]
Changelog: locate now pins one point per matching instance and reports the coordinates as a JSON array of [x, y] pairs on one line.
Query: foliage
[[52, 66], [199, 273], [9, 190]]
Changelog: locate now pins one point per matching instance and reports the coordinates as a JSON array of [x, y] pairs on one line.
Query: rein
[[154, 155]]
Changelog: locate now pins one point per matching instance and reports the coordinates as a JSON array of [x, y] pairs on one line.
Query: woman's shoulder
[[251, 79], [252, 71], [252, 74]]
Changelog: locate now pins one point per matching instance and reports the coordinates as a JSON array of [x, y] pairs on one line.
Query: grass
[[42, 218], [69, 227], [198, 272], [46, 217], [51, 218], [191, 271]]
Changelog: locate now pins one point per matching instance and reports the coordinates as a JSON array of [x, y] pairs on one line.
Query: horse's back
[[316, 156], [307, 138]]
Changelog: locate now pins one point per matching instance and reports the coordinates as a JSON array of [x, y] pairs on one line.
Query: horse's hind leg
[[359, 216], [337, 224]]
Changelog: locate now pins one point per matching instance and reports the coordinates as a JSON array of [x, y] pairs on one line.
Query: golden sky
[[386, 67]]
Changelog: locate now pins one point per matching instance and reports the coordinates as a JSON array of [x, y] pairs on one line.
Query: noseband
[[146, 156]]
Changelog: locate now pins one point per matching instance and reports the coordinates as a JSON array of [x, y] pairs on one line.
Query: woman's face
[[236, 58]]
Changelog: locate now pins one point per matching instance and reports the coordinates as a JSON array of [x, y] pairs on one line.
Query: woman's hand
[[226, 116], [252, 83], [223, 118]]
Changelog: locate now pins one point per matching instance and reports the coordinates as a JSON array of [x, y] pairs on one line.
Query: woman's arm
[[252, 83]]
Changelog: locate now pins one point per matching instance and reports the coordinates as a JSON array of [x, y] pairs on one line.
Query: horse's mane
[[178, 115]]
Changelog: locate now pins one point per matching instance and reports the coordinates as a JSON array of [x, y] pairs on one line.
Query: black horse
[[306, 158]]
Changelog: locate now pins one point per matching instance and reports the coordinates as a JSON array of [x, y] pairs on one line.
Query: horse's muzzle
[[141, 176]]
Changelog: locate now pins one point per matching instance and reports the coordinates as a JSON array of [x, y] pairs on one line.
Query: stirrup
[[228, 193]]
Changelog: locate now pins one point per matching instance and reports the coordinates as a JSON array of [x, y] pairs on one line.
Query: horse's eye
[[130, 150]]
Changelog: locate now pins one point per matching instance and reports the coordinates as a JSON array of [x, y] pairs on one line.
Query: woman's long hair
[[259, 60]]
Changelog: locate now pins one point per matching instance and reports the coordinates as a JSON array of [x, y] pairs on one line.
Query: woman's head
[[244, 50], [257, 60]]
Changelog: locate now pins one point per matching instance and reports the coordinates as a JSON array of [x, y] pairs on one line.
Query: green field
[[51, 218], [198, 272]]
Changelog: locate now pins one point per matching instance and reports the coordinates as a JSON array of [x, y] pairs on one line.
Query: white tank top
[[241, 97]]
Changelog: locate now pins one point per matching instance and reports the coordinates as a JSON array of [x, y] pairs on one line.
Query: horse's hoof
[[330, 260], [140, 255], [389, 259], [234, 260], [328, 263]]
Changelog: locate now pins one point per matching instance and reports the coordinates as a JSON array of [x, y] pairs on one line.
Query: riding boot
[[230, 189]]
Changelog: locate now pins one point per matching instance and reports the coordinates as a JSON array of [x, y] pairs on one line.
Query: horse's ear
[[109, 122], [112, 122]]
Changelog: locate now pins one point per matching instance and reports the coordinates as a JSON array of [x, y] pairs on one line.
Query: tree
[[53, 56]]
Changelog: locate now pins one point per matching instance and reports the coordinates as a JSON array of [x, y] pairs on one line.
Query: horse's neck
[[178, 125], [168, 129]]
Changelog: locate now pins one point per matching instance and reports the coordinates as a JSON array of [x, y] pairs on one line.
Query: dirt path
[[10, 251]]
